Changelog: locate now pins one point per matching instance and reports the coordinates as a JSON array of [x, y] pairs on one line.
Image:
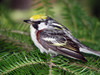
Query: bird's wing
[[59, 42]]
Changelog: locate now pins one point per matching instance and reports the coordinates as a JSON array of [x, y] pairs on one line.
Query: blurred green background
[[18, 54], [24, 8]]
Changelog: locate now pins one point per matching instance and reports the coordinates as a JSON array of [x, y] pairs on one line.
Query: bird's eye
[[37, 22]]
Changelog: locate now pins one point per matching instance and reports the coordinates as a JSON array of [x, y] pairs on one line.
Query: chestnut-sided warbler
[[53, 38]]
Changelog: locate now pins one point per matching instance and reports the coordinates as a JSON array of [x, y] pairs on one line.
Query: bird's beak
[[28, 21]]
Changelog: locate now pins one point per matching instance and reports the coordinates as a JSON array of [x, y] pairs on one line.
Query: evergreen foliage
[[19, 56]]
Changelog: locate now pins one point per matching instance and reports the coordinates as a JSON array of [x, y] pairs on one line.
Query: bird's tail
[[85, 49]]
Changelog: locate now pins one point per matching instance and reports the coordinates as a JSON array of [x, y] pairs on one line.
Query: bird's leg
[[50, 64], [52, 56], [50, 67]]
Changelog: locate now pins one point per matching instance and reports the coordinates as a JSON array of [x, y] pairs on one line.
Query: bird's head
[[38, 22]]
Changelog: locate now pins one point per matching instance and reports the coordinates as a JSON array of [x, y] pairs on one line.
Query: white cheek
[[42, 26]]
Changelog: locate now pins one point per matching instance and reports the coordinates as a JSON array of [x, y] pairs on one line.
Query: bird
[[53, 38]]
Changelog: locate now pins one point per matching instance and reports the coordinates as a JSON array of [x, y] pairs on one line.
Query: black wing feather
[[70, 49]]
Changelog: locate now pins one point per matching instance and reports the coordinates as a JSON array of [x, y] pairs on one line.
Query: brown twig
[[80, 65], [17, 43], [50, 67], [16, 31]]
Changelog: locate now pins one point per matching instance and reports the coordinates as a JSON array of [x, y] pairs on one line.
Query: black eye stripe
[[37, 22], [35, 26]]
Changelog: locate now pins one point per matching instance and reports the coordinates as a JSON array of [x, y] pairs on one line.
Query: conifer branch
[[22, 65]]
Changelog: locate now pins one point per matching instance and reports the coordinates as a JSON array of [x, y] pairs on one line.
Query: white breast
[[34, 39]]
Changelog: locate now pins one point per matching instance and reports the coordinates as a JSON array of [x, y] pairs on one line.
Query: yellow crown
[[38, 17]]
